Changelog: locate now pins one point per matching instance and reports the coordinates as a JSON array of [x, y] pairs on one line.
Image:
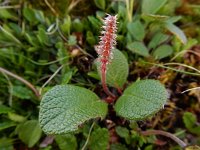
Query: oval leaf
[[117, 71], [157, 39], [177, 32], [66, 142], [141, 100], [29, 132], [152, 6], [162, 51], [65, 107], [100, 4], [137, 30], [138, 48]]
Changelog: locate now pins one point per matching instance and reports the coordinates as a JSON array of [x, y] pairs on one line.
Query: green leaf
[[162, 51], [72, 40], [99, 139], [191, 42], [136, 29], [90, 38], [6, 124], [154, 18], [173, 19], [123, 133], [138, 48], [100, 4], [95, 24], [141, 99], [32, 39], [15, 117], [4, 109], [117, 71], [21, 92], [177, 32], [152, 6], [29, 14], [6, 144], [66, 25], [65, 107], [43, 37], [190, 121], [66, 142], [67, 77], [94, 75], [118, 146], [77, 25], [157, 40], [7, 14], [29, 132]]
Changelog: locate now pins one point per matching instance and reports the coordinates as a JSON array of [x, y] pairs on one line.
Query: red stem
[[105, 88]]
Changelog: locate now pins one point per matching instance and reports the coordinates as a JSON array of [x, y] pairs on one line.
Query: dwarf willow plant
[[65, 107]]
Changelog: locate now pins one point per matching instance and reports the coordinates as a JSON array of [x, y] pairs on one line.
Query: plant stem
[[167, 134], [84, 146], [28, 84], [52, 76], [10, 89], [51, 8], [129, 9], [105, 88]]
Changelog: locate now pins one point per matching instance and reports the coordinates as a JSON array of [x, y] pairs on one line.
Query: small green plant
[[65, 107]]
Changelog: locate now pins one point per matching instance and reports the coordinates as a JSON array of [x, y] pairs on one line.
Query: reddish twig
[[167, 134], [105, 88], [28, 84]]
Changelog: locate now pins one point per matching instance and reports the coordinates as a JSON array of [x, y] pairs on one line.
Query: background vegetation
[[47, 42]]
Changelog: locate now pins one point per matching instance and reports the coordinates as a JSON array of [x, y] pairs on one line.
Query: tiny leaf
[[65, 107], [6, 124], [177, 32], [118, 146], [122, 132], [66, 25], [190, 121], [162, 51], [141, 99], [100, 4], [4, 109], [138, 48], [66, 142], [16, 117], [157, 40], [99, 139]]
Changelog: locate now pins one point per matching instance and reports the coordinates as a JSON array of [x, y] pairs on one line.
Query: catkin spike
[[106, 46]]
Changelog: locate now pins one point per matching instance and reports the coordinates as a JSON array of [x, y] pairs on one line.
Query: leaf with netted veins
[[65, 107], [141, 99]]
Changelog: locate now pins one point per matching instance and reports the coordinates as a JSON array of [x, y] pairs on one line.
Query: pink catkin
[[105, 47]]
